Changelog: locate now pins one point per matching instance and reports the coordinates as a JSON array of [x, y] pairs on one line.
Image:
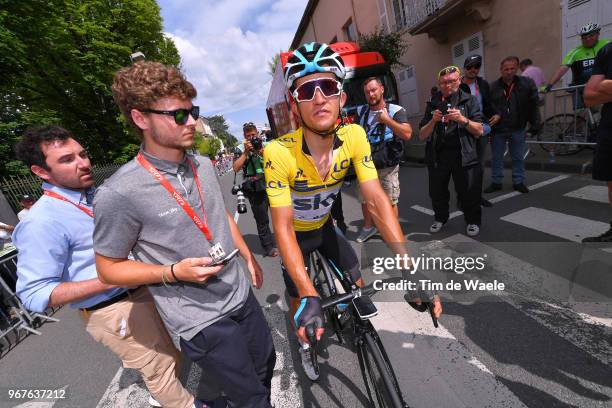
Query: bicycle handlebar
[[343, 297]]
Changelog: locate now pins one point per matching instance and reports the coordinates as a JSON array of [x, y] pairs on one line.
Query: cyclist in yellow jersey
[[304, 171]]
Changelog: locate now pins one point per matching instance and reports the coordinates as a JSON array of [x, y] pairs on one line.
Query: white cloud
[[225, 47]]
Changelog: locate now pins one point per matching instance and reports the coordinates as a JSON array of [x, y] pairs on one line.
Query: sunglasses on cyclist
[[181, 116], [448, 70], [306, 91]]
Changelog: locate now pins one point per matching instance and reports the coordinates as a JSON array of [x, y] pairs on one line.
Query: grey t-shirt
[[134, 212]]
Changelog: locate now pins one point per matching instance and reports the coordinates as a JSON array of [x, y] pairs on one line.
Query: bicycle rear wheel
[[564, 127], [381, 383]]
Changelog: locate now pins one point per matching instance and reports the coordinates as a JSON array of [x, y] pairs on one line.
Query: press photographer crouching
[[451, 126], [250, 160]]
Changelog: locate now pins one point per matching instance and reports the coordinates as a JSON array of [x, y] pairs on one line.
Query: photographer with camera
[[250, 160], [452, 126]]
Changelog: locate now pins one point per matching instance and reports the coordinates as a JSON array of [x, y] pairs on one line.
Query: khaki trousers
[[133, 330]]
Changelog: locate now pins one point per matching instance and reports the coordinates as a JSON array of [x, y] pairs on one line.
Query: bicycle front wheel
[[564, 128], [381, 384]]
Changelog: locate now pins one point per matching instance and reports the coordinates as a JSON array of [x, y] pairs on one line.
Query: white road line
[[592, 193], [422, 209], [526, 283], [498, 198], [427, 362], [556, 223]]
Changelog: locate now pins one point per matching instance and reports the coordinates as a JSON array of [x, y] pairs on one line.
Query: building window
[[350, 33], [400, 14]]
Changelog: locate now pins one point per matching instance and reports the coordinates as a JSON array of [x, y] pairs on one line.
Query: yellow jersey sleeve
[[277, 174], [361, 155]]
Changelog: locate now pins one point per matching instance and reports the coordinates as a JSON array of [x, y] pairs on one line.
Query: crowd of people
[[147, 258]]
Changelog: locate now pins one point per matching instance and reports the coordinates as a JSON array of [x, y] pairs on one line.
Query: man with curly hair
[[167, 209], [56, 266]]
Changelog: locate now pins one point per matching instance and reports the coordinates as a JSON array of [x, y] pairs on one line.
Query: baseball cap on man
[[473, 61], [27, 199]]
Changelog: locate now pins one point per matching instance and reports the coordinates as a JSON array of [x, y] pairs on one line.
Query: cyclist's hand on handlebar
[[309, 313], [437, 305]]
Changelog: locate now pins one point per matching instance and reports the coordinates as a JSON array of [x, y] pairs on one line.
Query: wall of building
[[329, 18], [525, 28]]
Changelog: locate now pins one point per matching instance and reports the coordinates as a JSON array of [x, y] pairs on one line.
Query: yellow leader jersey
[[292, 178]]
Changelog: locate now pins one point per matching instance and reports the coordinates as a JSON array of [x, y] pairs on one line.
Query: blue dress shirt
[[55, 244]]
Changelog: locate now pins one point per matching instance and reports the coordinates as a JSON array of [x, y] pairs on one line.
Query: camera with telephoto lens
[[241, 202], [257, 143]]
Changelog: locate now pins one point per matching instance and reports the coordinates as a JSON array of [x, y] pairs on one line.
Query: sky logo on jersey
[[269, 165], [315, 202]]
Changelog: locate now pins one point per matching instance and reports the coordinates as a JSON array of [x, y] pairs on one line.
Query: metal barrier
[[567, 126], [16, 322]]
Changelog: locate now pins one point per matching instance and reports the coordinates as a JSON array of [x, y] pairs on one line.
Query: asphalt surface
[[544, 341]]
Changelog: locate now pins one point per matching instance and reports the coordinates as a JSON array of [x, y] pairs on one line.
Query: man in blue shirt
[[56, 266]]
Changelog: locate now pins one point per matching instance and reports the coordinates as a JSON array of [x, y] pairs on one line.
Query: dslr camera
[[257, 143]]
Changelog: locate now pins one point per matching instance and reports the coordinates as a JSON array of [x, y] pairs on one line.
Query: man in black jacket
[[516, 99], [452, 126], [478, 87]]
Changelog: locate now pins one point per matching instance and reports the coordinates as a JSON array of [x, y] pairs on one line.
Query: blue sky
[[225, 46]]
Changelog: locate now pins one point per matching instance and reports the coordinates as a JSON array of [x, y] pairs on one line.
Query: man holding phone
[[166, 208], [451, 126]]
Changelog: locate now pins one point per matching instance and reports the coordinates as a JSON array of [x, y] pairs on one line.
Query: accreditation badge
[[216, 253]]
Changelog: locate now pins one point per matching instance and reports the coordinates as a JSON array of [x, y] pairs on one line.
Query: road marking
[[426, 361], [422, 209], [526, 284], [498, 198], [592, 193], [556, 223]]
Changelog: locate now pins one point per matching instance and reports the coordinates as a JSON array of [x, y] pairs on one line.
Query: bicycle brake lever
[[311, 334], [430, 308]]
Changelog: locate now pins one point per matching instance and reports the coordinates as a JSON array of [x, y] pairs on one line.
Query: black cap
[[27, 198], [472, 60]]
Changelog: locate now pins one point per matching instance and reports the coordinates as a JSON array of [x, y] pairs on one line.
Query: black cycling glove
[[309, 312]]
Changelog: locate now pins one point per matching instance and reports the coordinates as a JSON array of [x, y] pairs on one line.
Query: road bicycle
[[348, 314], [569, 132]]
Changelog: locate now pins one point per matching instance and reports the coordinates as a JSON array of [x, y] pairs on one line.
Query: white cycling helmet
[[589, 28]]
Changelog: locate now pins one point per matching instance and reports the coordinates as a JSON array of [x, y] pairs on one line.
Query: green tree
[[273, 63], [209, 146], [58, 61], [221, 129], [392, 46]]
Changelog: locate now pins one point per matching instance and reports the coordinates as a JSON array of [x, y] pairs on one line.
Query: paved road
[[545, 341]]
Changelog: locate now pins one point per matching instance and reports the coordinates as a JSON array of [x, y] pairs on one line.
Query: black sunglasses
[[181, 116], [472, 67]]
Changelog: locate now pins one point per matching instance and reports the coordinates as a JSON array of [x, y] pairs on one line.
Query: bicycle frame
[[364, 334]]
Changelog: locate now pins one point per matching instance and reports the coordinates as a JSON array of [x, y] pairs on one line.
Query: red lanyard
[[508, 93], [61, 197], [201, 224]]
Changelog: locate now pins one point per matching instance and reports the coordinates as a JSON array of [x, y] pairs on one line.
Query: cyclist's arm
[[559, 74], [383, 215], [282, 220]]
